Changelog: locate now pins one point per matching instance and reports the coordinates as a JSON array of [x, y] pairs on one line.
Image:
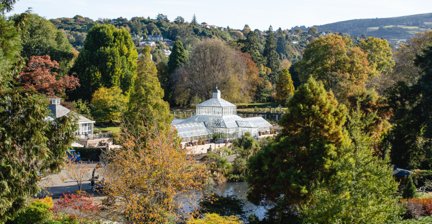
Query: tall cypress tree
[[147, 111], [270, 53], [176, 59], [284, 87]]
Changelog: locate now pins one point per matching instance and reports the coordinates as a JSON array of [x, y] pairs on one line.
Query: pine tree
[[147, 111], [306, 150], [284, 87]]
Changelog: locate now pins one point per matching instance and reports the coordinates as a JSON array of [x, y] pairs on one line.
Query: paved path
[[60, 183], [201, 149]]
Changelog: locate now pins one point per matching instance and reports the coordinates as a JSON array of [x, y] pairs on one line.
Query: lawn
[[112, 129]]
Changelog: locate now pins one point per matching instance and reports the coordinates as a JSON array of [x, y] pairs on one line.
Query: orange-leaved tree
[[42, 75]]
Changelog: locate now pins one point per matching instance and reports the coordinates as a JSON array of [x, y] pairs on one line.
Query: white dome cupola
[[216, 106]]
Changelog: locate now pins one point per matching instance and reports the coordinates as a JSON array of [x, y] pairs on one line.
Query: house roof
[[58, 111], [82, 119]]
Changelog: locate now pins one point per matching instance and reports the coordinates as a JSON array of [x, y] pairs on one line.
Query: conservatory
[[217, 116]]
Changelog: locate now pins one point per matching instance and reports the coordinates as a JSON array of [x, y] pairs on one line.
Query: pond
[[238, 190]]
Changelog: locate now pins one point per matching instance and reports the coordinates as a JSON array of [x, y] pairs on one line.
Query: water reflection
[[190, 202], [239, 190]]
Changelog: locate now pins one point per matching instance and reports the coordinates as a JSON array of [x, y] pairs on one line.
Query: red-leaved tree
[[42, 75]]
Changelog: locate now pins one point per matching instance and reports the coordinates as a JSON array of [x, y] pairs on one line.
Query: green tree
[[147, 112], [379, 54], [409, 190], [40, 37], [30, 146], [6, 5], [82, 107], [194, 21], [109, 105], [411, 137], [284, 87], [108, 59], [338, 63], [245, 147], [10, 48], [177, 58], [270, 53], [362, 190], [380, 57], [305, 152], [252, 46]]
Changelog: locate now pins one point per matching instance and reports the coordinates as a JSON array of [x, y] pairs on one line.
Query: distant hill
[[393, 29]]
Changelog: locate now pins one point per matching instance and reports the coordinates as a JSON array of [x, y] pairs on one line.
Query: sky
[[258, 14]]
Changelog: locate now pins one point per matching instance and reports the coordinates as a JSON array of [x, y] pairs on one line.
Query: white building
[[85, 125], [217, 116]]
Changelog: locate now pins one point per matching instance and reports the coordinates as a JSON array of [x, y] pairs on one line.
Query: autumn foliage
[[42, 75], [417, 207], [143, 183], [81, 205]]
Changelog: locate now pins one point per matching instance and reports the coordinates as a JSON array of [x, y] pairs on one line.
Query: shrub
[[215, 219], [409, 190], [421, 176], [417, 207], [37, 212], [48, 201]]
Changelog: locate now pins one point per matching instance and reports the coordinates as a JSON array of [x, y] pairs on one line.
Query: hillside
[[393, 29]]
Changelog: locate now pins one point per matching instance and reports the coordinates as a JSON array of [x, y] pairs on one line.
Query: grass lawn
[[113, 129]]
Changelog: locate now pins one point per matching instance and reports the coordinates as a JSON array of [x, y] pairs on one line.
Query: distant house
[[85, 125], [217, 116], [155, 38]]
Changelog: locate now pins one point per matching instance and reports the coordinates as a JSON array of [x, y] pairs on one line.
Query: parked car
[[73, 155]]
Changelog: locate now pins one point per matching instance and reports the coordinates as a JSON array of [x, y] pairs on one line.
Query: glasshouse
[[217, 116]]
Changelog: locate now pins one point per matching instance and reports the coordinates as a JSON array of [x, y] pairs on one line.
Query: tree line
[[355, 109]]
